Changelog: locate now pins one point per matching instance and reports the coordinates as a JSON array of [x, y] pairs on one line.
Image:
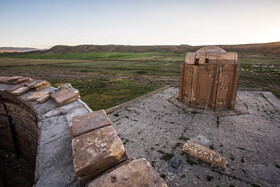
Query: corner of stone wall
[[71, 144]]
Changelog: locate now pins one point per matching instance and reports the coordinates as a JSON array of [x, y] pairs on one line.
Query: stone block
[[65, 86], [36, 83], [43, 99], [3, 79], [43, 86], [205, 154], [64, 97], [136, 173], [96, 151], [20, 91], [35, 96], [23, 80], [59, 93], [12, 88], [85, 123], [13, 79], [84, 180]]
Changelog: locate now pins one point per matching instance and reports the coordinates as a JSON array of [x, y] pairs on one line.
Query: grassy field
[[105, 93], [11, 62], [150, 56], [257, 71], [146, 56]]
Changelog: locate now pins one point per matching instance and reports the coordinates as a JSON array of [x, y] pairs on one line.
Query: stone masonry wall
[[68, 144]]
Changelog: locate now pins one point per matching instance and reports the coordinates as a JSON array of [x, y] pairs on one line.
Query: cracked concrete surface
[[156, 129]]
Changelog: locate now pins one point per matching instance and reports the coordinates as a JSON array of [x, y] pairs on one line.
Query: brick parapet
[[40, 132]]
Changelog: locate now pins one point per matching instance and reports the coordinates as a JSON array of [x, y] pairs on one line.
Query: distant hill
[[16, 49], [265, 48]]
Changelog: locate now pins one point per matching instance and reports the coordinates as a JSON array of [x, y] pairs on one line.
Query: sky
[[45, 23]]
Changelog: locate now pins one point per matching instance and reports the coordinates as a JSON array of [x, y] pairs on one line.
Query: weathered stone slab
[[9, 80], [37, 95], [136, 173], [123, 161], [43, 99], [43, 86], [36, 83], [23, 80], [96, 150], [13, 79], [85, 123], [68, 86], [64, 97], [12, 88], [205, 154], [65, 86], [59, 93], [3, 79], [20, 91]]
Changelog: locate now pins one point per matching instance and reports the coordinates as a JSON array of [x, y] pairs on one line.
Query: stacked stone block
[[97, 149], [96, 146]]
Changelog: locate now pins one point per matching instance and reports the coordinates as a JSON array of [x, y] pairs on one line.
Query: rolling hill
[[265, 48]]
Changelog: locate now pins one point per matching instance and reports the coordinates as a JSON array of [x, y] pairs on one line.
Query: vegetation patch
[[106, 93], [190, 162], [163, 176], [209, 178], [178, 144], [166, 156], [182, 137]]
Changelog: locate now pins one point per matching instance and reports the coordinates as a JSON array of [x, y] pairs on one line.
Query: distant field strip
[[33, 62], [104, 56]]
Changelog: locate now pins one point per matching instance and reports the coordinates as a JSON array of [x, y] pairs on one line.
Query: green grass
[[263, 77], [128, 68], [166, 156], [106, 93], [34, 62], [256, 58], [156, 56], [125, 68]]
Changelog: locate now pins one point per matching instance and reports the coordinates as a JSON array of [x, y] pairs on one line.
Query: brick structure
[[67, 143], [209, 79]]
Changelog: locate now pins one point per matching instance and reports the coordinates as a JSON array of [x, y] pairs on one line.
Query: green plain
[[257, 71]]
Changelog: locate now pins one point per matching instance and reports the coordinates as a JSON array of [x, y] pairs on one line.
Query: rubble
[[205, 154]]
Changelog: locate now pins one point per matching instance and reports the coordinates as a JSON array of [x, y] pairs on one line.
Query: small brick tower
[[209, 79]]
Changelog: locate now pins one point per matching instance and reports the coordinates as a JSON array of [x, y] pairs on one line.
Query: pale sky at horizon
[[43, 24]]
